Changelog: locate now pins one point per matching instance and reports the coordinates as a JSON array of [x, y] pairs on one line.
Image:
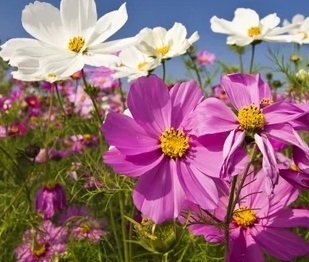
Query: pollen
[[254, 31], [266, 101], [39, 249], [294, 167], [141, 65], [244, 217], [76, 44], [305, 34], [163, 50], [174, 143], [251, 118]]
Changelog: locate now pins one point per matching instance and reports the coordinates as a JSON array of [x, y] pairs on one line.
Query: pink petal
[[150, 104], [297, 179], [281, 243], [269, 163], [211, 234], [212, 116], [198, 187], [124, 133], [184, 97], [290, 218], [158, 193], [133, 166]]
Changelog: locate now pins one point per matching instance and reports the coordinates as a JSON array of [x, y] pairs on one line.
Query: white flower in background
[[246, 28], [302, 75], [133, 64], [163, 44], [301, 30], [66, 39]]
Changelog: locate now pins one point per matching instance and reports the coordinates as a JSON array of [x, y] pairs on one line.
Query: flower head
[[66, 40], [247, 28], [205, 58], [160, 146]]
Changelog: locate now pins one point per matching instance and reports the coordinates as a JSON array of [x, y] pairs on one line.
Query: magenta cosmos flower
[[259, 223], [158, 145], [257, 116], [43, 244]]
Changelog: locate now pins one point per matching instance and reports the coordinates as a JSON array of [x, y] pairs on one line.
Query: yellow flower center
[[85, 228], [244, 217], [39, 249], [141, 65], [254, 31], [251, 118], [305, 34], [174, 143], [76, 43], [294, 167], [266, 102], [163, 50]]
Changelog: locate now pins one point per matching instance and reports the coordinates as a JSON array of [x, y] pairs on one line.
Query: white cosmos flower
[[66, 39], [301, 30], [247, 27], [163, 44], [133, 64]]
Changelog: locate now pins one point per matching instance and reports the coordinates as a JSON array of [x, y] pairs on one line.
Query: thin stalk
[[241, 64], [122, 95], [59, 100], [197, 73], [252, 57], [123, 229], [165, 257], [115, 232], [163, 71], [86, 88]]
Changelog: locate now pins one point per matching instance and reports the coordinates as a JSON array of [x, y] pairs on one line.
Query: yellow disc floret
[[142, 65], [254, 31], [174, 143], [39, 249], [163, 50], [251, 118], [76, 43], [244, 217], [266, 101]]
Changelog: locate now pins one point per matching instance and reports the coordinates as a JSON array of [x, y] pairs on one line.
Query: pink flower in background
[[259, 223], [33, 101], [218, 92], [49, 200], [81, 102], [160, 147], [42, 244], [257, 117], [16, 129], [102, 78], [205, 58]]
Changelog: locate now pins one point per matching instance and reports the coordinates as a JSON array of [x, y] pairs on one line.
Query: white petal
[[112, 46], [176, 34], [101, 60], [193, 38], [8, 49], [108, 25], [78, 16], [246, 16], [42, 21], [297, 19], [223, 26], [238, 40], [270, 21]]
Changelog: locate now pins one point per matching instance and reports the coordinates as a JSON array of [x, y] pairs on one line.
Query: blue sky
[[194, 14]]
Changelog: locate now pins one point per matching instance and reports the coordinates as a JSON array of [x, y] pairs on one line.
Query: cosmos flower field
[[105, 157]]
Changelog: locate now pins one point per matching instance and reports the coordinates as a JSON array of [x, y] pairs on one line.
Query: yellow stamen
[[254, 31], [244, 217], [85, 228], [76, 43], [266, 101], [251, 118], [174, 143], [39, 249], [141, 65], [305, 34], [163, 50], [294, 167]]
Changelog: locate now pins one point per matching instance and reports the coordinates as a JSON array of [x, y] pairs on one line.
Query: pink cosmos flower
[[160, 147], [102, 77], [257, 117], [205, 58], [298, 171], [49, 200], [259, 223], [16, 129], [42, 244]]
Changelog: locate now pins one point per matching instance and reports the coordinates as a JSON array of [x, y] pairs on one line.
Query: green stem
[[165, 257], [252, 57], [86, 88], [163, 71], [241, 64], [59, 100], [197, 73], [123, 229]]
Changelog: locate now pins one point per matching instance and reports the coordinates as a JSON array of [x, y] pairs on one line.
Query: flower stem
[[197, 73], [87, 90], [252, 57], [241, 64], [59, 99], [163, 70], [122, 95]]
